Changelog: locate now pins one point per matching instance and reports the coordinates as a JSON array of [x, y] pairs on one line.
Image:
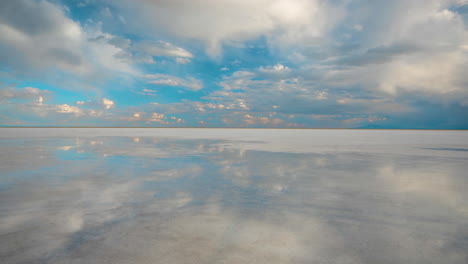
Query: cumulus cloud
[[350, 62], [35, 102], [38, 34], [420, 50], [103, 103], [267, 86], [151, 118], [107, 103], [278, 68], [37, 37], [69, 109], [281, 21]]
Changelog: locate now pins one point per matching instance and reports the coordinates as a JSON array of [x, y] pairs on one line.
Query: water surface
[[233, 196]]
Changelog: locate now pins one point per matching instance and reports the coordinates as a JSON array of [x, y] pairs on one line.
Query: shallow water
[[233, 196]]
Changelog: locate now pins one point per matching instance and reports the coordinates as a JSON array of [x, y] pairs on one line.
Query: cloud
[[344, 63], [103, 103], [148, 91], [25, 93], [170, 80], [160, 48], [69, 109], [266, 87], [376, 55], [183, 60], [149, 118], [144, 51], [278, 68], [37, 37], [261, 120], [410, 47], [281, 21], [107, 103], [38, 34], [31, 102], [236, 105]]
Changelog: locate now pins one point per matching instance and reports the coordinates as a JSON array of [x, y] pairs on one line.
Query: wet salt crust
[[233, 196]]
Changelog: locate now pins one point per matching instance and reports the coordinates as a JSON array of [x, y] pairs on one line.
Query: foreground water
[[233, 196]]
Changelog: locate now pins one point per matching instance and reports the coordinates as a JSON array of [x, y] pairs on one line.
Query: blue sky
[[225, 63]]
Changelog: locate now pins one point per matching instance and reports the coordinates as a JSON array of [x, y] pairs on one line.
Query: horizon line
[[295, 128]]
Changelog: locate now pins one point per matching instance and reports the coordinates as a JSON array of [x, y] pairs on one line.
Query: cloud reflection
[[160, 200]]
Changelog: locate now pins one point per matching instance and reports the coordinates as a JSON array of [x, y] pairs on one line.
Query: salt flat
[[133, 195]]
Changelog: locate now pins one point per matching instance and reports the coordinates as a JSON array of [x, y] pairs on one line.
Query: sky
[[234, 63]]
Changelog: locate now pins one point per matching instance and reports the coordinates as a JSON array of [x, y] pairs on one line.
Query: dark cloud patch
[[36, 35], [377, 55], [66, 56], [430, 115], [28, 17]]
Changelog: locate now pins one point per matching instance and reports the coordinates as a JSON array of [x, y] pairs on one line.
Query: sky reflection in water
[[91, 198]]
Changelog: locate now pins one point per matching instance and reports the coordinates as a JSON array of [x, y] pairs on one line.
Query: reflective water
[[233, 196]]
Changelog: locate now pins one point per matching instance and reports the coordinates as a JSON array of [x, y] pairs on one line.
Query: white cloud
[[109, 57], [152, 117], [158, 120], [144, 51], [411, 47], [170, 80], [281, 21], [26, 93], [160, 48], [69, 109], [158, 116], [35, 103], [149, 91], [262, 120], [103, 103], [108, 103], [278, 68], [224, 103], [37, 36]]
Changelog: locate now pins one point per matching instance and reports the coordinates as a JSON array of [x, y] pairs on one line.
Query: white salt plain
[[91, 195]]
